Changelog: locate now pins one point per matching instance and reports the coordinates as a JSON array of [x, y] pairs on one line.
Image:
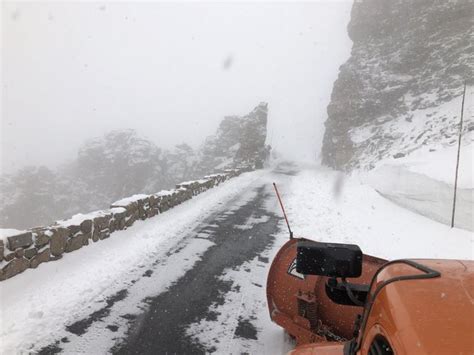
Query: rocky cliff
[[400, 89]]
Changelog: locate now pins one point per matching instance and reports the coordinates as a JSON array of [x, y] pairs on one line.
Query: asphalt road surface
[[161, 327]]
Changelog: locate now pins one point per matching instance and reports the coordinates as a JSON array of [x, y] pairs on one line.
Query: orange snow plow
[[332, 299]]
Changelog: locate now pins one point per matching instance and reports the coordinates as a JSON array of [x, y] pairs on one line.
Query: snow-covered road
[[97, 300]]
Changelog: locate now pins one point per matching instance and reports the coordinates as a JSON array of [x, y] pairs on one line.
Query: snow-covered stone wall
[[21, 250]]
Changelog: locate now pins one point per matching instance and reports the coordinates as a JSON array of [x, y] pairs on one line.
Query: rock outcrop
[[238, 141], [408, 63]]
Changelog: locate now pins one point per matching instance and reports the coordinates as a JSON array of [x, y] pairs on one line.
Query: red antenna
[[283, 209]]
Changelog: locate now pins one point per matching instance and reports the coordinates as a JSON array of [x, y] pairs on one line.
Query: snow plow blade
[[300, 304]]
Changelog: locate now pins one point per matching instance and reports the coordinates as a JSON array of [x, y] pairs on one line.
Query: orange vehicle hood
[[432, 316]]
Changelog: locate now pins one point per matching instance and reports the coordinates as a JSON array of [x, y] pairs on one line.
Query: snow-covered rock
[[401, 88], [239, 140]]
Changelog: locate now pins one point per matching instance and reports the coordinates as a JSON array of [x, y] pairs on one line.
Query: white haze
[[71, 71]]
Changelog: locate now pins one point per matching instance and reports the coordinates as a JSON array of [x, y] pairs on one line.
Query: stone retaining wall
[[30, 248]]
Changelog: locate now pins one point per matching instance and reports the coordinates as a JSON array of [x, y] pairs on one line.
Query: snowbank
[[440, 163], [423, 182], [354, 212], [424, 195]]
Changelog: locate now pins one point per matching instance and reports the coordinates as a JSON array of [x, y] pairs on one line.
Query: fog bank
[[72, 71]]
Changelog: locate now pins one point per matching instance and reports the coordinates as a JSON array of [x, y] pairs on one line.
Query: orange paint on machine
[[333, 299]]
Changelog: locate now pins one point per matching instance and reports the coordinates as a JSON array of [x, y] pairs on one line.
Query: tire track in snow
[[163, 328]]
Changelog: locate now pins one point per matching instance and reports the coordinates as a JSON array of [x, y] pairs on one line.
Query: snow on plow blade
[[299, 303]]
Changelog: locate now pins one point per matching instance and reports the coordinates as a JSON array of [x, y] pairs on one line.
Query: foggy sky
[[72, 71]]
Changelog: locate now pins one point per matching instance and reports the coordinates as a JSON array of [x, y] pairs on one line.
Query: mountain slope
[[400, 89]]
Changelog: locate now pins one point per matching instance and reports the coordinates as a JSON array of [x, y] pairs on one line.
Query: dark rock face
[[86, 226], [16, 266], [406, 56], [42, 257], [58, 241], [30, 253], [74, 243], [41, 236], [20, 241]]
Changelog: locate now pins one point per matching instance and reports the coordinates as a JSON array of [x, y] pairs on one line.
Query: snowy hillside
[[424, 138], [421, 177]]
